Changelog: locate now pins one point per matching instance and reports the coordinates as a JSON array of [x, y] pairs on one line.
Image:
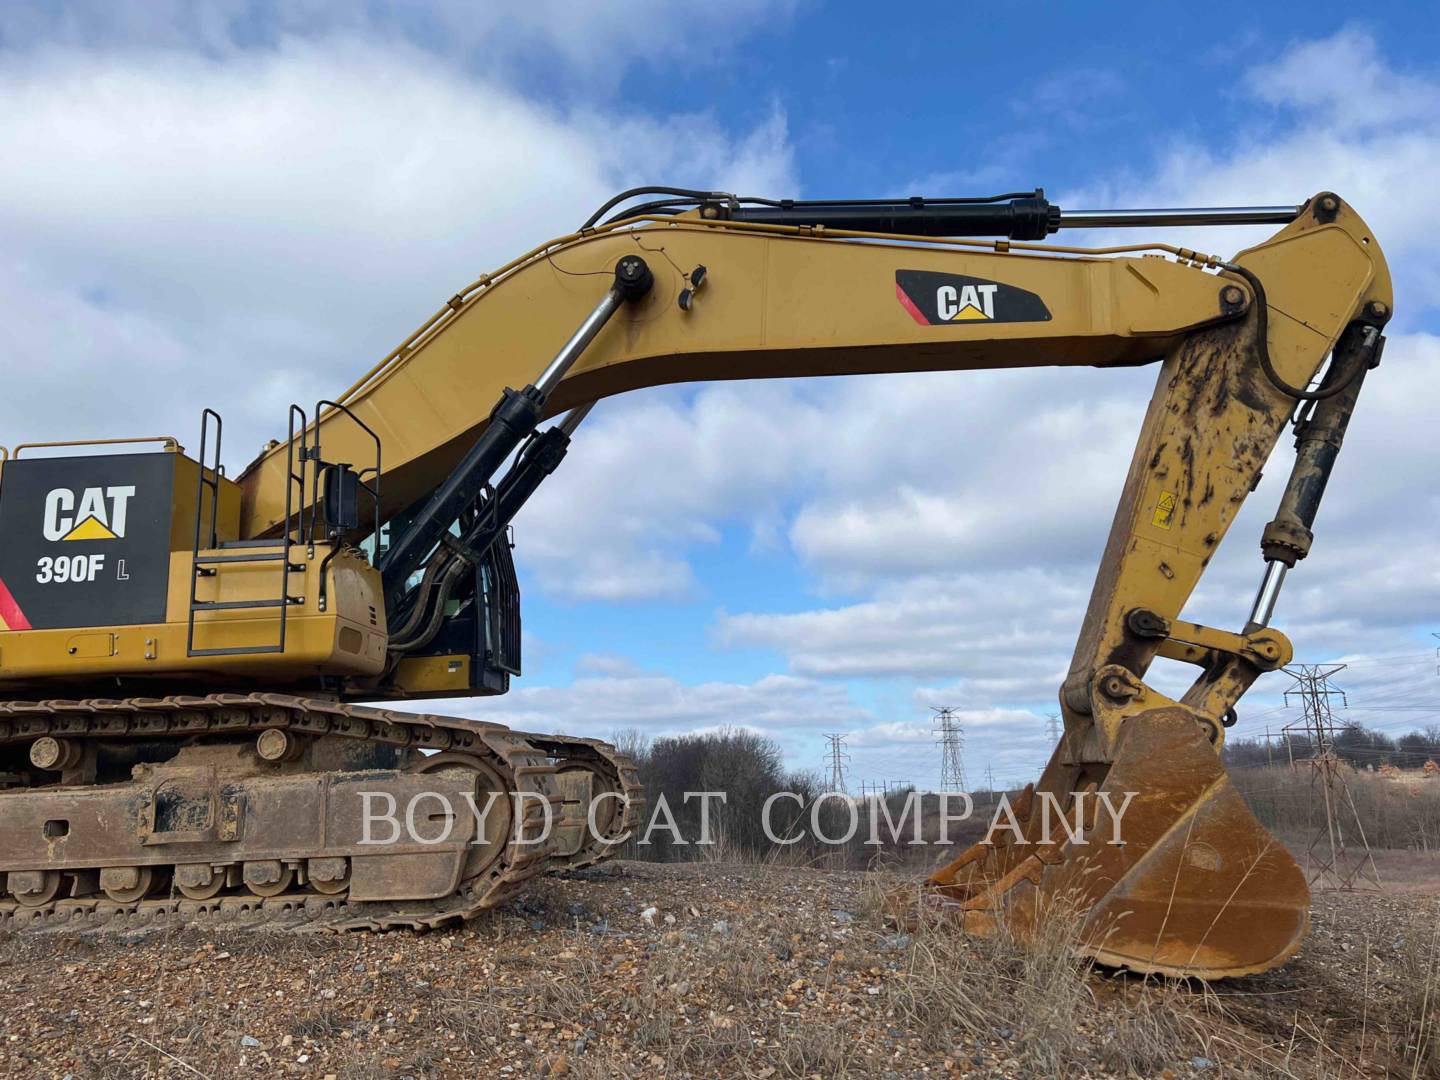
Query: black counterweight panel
[[85, 541]]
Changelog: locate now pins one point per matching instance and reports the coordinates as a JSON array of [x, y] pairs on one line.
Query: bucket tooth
[[1195, 886]]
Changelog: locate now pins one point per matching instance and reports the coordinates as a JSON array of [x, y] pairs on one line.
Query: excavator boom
[[384, 517]]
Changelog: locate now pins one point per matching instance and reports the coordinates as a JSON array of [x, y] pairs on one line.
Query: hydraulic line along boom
[[1023, 217]]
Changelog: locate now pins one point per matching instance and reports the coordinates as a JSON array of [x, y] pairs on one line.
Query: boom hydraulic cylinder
[[513, 419]]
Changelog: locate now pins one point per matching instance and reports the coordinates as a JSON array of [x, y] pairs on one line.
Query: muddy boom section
[[305, 814]]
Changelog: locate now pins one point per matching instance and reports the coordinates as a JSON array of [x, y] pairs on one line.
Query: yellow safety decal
[[1164, 510]]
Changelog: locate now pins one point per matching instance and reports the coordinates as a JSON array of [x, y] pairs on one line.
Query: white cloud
[[947, 471], [582, 42], [1327, 115], [1004, 619], [902, 478], [258, 227], [789, 709], [610, 664], [988, 626], [793, 711], [1003, 747], [654, 474], [1348, 83], [968, 511], [868, 478], [247, 203]]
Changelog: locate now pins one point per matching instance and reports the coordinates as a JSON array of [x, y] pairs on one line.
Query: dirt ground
[[638, 969]]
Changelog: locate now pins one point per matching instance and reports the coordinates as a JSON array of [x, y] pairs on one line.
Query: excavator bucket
[[1159, 857]]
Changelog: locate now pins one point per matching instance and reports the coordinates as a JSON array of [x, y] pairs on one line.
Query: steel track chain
[[526, 763]]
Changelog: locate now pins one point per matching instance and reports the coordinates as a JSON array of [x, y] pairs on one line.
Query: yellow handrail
[[172, 444]]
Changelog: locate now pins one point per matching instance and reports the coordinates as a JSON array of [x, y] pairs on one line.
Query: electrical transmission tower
[[1052, 725], [1327, 853], [837, 761], [951, 741]]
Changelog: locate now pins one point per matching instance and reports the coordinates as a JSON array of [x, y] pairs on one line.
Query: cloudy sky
[[243, 204]]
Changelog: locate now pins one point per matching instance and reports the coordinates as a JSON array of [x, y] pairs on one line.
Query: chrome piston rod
[[1212, 215], [1263, 610], [511, 422]]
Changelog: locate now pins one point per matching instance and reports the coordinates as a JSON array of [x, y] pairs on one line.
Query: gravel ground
[[637, 969]]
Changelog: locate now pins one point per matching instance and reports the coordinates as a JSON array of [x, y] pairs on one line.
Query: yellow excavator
[[180, 651]]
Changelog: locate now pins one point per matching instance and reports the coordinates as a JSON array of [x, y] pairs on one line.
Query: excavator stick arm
[[1194, 886], [1211, 426]]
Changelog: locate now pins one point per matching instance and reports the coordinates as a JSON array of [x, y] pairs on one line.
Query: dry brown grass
[[1398, 815], [1420, 1008], [1063, 1016], [792, 985], [976, 990]]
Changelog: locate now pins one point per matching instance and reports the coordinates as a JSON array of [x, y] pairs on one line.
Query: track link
[[525, 763]]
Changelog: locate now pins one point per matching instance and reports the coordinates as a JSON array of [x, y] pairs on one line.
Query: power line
[[1052, 727], [837, 760], [1327, 851], [1393, 658], [951, 742]]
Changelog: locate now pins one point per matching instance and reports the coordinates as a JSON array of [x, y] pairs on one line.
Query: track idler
[[1153, 853]]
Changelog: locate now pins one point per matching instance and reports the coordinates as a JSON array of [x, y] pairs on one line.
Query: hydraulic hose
[[684, 193], [1335, 385], [447, 566]]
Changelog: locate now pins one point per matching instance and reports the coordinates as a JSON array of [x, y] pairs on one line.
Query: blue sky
[[245, 203], [1053, 95]]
